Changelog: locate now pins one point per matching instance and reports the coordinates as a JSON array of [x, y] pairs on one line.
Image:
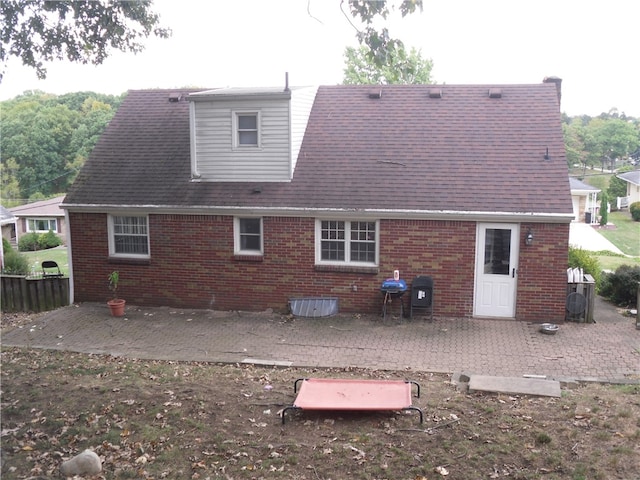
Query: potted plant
[[116, 305]]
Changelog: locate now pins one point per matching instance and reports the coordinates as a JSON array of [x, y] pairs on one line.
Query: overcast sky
[[591, 44]]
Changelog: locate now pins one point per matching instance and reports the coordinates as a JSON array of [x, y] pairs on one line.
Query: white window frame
[[237, 234], [347, 240], [236, 129], [112, 235], [42, 219]]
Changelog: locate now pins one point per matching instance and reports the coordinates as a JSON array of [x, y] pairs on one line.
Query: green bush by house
[[33, 241], [634, 208], [579, 258], [621, 287]]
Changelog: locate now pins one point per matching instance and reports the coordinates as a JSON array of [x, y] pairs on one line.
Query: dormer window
[[246, 129]]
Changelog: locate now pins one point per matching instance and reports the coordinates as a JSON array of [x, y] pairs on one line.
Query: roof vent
[[495, 93], [174, 97], [375, 94], [435, 93]]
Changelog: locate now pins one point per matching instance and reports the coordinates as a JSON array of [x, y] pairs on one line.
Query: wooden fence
[[25, 294]]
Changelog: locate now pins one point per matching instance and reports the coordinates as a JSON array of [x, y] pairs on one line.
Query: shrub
[[6, 246], [28, 242], [49, 240], [634, 208], [604, 209], [15, 263], [621, 287], [579, 258]]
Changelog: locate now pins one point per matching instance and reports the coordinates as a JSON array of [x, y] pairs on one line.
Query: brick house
[[245, 198], [41, 217]]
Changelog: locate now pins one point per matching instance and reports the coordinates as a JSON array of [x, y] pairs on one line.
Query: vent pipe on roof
[[558, 82], [286, 81]]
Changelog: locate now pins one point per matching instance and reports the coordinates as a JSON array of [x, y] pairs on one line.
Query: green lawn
[[58, 255], [626, 235]]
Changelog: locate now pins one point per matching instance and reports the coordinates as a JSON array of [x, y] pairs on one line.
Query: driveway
[[585, 236]]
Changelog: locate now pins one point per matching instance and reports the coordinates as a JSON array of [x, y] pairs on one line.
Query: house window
[[42, 225], [128, 236], [248, 236], [340, 242], [246, 129]]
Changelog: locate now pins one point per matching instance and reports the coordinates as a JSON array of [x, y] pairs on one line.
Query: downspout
[[67, 227]]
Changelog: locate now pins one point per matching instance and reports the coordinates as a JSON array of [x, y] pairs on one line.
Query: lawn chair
[[50, 269]]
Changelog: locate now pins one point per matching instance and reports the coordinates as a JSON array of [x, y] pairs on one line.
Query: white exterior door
[[496, 269]]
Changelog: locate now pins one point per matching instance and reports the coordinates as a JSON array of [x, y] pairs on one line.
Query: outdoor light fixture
[[529, 238]]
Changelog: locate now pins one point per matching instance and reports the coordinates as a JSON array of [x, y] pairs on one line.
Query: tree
[[604, 208], [39, 31], [402, 68], [381, 47], [46, 139]]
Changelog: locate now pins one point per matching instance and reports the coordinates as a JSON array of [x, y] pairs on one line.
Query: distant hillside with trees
[[606, 142], [46, 139]]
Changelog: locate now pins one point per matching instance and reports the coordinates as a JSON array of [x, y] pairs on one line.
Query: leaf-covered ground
[[154, 420]]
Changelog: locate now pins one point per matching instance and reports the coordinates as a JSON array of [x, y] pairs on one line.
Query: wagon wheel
[[576, 304]]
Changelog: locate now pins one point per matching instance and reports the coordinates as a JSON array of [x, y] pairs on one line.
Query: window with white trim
[[129, 236], [246, 129], [347, 242], [42, 225], [248, 236]]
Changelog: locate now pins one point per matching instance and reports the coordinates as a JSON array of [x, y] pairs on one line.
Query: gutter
[[333, 213]]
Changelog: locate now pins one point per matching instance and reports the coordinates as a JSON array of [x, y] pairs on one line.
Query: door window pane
[[497, 251]]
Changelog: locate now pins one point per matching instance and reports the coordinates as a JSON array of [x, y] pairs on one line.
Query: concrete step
[[514, 385]]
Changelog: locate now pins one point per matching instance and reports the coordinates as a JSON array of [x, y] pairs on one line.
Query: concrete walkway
[[585, 236], [608, 350]]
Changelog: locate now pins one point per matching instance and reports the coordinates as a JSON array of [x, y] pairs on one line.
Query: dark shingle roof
[[462, 152]]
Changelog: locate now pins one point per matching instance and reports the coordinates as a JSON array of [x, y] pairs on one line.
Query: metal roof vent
[[174, 97], [435, 93], [495, 93], [375, 94]]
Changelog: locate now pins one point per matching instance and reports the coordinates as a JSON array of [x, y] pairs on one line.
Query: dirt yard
[[155, 420]]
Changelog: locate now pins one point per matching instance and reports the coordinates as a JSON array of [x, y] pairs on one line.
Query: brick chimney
[[558, 82]]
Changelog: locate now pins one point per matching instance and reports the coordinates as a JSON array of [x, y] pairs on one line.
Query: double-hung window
[[129, 236], [42, 225], [246, 129], [248, 236], [347, 242]]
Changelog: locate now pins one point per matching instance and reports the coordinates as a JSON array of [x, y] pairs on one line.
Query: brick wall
[[193, 265]]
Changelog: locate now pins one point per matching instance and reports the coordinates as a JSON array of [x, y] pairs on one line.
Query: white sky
[[592, 45]]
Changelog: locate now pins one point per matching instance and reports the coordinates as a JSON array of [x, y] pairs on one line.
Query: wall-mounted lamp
[[529, 238]]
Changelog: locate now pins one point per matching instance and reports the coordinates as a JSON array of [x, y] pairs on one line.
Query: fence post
[[638, 309]]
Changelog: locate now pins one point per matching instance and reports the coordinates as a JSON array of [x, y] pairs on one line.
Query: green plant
[[579, 258], [621, 287], [49, 240], [28, 242], [634, 209], [15, 263], [114, 279], [604, 208]]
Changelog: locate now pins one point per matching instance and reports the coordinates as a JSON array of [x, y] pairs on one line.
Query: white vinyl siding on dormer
[[217, 154]]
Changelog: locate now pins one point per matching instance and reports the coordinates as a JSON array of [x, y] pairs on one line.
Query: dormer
[[248, 134]]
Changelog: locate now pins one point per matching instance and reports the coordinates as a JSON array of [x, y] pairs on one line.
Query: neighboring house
[[8, 224], [40, 217], [242, 199], [633, 188], [585, 201]]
